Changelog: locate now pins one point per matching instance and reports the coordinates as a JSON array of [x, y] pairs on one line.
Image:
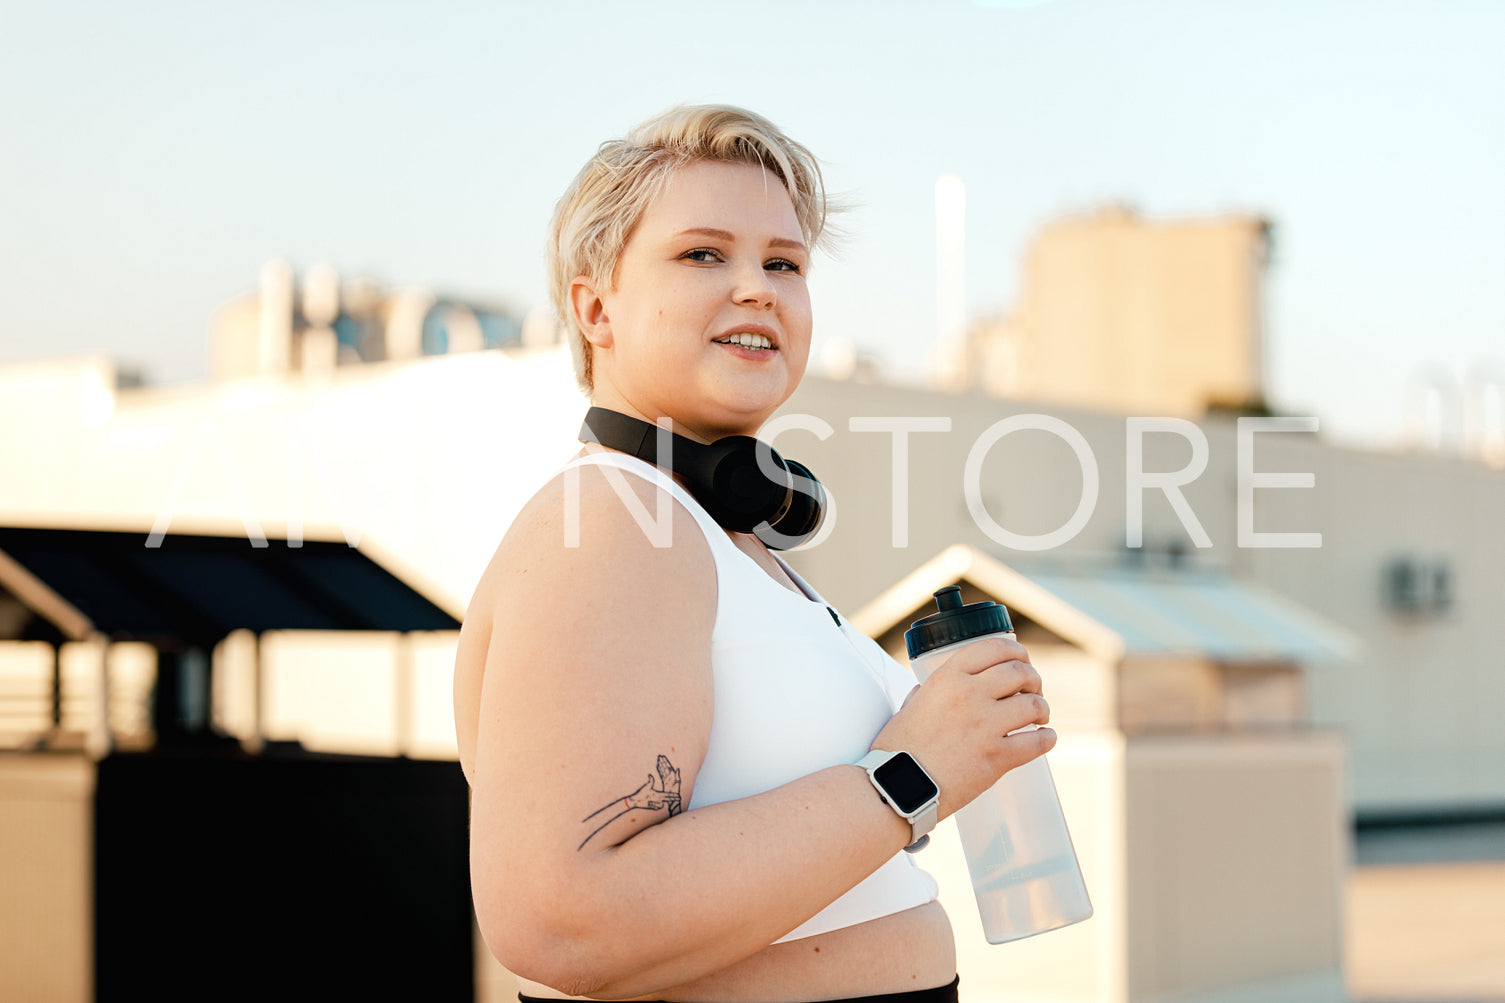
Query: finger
[[1024, 709], [1007, 678], [1038, 741], [978, 655]]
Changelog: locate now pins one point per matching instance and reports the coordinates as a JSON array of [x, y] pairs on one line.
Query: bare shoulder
[[598, 566], [594, 526]]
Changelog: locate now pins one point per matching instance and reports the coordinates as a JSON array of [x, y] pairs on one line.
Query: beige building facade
[[1120, 313]]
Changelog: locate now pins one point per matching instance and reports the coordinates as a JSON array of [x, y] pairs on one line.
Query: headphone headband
[[743, 482]]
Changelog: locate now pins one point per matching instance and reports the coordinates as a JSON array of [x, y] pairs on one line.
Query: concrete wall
[[1237, 846], [1416, 705], [46, 896]]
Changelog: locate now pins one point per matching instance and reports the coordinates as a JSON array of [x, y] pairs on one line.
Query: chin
[[745, 417], [761, 399]]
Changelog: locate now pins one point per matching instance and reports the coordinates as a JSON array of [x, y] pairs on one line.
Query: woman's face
[[716, 262]]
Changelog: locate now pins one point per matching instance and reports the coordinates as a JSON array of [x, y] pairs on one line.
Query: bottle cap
[[954, 622]]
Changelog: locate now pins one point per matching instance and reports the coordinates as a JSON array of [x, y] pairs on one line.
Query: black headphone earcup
[[802, 520], [743, 494]]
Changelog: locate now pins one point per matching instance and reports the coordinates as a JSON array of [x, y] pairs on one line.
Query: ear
[[590, 312]]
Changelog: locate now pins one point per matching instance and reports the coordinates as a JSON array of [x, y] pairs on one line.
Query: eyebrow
[[727, 235]]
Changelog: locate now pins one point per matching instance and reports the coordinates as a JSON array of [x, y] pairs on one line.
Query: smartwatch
[[907, 789]]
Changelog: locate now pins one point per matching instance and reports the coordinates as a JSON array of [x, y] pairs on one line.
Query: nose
[[754, 287]]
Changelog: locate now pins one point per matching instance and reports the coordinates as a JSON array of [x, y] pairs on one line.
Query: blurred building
[[1120, 313], [313, 326]]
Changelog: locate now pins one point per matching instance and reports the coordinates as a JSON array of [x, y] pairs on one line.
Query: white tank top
[[796, 690]]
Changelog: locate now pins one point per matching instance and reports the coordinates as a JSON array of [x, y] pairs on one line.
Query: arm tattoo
[[656, 794]]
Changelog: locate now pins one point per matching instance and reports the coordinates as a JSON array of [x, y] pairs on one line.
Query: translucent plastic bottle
[[1023, 866]]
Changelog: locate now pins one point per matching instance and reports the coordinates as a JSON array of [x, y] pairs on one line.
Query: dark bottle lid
[[955, 622]]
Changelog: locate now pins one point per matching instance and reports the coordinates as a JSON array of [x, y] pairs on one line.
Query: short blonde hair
[[597, 214]]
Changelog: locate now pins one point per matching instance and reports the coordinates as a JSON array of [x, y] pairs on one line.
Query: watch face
[[907, 785]]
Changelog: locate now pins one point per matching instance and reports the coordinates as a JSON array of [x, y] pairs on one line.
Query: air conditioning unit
[[1417, 585]]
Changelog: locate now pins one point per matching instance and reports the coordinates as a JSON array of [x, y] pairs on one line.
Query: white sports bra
[[796, 690]]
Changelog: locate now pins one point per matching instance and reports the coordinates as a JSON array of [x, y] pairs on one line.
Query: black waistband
[[940, 994]]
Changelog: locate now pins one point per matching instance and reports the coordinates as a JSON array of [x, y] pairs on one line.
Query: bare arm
[[596, 705], [653, 795]]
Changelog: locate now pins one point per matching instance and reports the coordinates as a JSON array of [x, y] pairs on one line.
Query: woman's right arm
[[589, 873]]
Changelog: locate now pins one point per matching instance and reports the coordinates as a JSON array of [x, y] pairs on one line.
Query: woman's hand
[[957, 724]]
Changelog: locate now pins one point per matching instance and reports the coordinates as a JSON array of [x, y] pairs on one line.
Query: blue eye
[[782, 265], [696, 255]]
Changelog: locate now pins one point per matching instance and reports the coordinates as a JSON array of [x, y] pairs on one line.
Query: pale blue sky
[[155, 154]]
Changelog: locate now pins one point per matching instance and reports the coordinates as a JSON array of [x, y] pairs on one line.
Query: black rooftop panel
[[197, 589]]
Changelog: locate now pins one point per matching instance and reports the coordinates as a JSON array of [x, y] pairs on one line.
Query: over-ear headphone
[[745, 485]]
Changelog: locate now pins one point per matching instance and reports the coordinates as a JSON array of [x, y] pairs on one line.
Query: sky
[[154, 155]]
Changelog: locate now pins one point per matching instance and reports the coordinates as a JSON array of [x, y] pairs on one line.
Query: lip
[[763, 329]]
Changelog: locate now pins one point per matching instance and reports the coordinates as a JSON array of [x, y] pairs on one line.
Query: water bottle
[[1024, 870]]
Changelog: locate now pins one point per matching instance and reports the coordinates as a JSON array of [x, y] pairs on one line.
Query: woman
[[661, 739]]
